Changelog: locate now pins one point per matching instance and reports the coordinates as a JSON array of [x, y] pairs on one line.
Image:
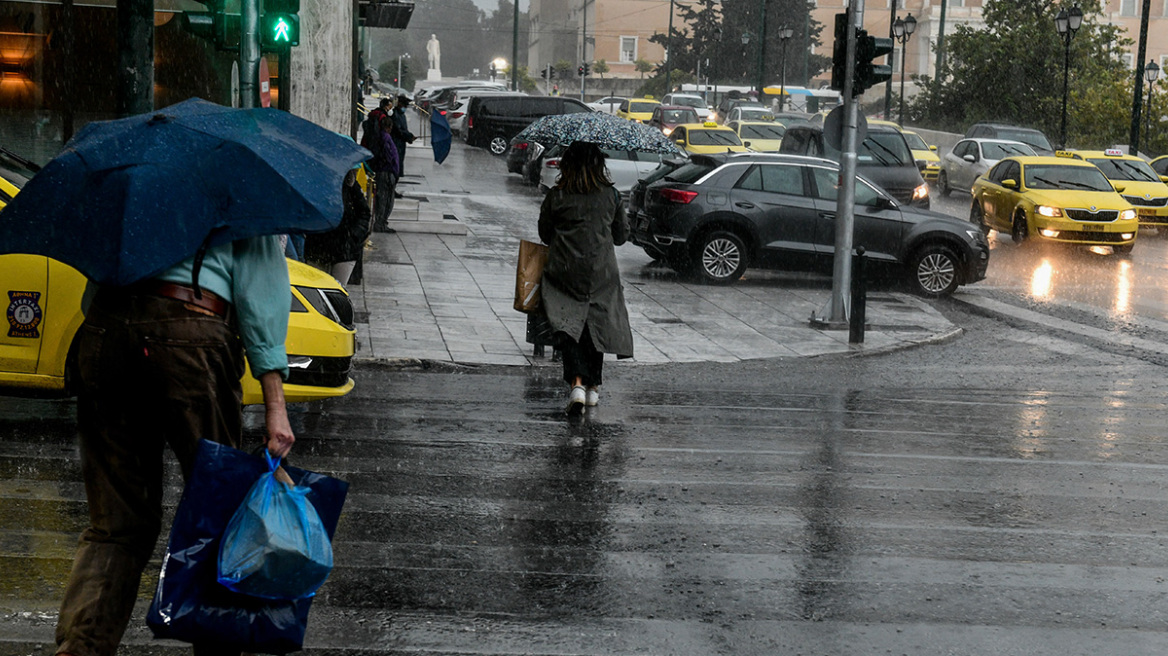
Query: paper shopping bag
[[528, 275]]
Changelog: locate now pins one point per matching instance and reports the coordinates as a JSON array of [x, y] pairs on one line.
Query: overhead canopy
[[386, 13]]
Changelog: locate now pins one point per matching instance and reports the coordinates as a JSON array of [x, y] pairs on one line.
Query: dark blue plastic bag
[[190, 604], [275, 546]]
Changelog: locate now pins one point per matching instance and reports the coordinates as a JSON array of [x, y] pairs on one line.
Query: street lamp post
[[399, 80], [902, 30], [1067, 23], [1151, 74], [745, 42], [784, 34]]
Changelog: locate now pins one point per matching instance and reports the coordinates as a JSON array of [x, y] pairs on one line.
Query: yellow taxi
[[1057, 199], [759, 136], [637, 109], [43, 308], [707, 137], [1160, 165], [1133, 178], [925, 155]]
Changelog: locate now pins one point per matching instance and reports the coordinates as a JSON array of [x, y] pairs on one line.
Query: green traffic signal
[[279, 31]]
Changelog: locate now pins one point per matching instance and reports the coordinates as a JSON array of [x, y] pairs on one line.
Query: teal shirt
[[252, 275]]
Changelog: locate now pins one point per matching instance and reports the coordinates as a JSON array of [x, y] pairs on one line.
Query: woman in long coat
[[582, 220]]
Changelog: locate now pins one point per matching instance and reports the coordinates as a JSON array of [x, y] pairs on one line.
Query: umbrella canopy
[[604, 130], [128, 198], [440, 136]]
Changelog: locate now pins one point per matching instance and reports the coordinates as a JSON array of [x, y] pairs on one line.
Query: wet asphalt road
[[999, 494]]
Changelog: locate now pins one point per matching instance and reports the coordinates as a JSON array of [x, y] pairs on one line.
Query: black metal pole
[[514, 51], [1148, 115], [859, 299], [1137, 95], [135, 29], [888, 84], [903, 57], [783, 83], [1066, 79]]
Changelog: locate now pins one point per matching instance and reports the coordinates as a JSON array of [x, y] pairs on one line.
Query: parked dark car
[[883, 157], [525, 157], [719, 214], [491, 121], [1029, 136]]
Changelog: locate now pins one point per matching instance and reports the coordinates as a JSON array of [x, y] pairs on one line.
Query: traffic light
[[587, 68], [839, 52], [544, 73], [580, 70], [868, 74], [279, 25], [210, 25]]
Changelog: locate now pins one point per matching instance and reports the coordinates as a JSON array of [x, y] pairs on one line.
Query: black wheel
[[1019, 230], [498, 145], [1122, 249], [977, 217], [943, 183], [933, 271], [720, 257]]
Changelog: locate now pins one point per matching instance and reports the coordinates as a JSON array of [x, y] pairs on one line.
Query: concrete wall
[[322, 65], [944, 141]]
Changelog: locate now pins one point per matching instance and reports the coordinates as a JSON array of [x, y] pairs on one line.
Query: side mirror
[[746, 143], [969, 158], [882, 203], [933, 148], [1010, 183], [1164, 178], [1119, 188], [680, 142]]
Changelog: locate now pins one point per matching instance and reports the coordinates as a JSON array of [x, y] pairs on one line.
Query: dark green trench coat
[[581, 282]]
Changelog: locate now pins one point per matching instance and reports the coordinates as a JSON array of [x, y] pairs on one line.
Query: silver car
[[972, 157], [625, 167]]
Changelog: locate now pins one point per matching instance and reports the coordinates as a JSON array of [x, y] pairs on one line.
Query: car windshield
[[1029, 137], [679, 116], [878, 148], [1001, 149], [713, 138], [1126, 169], [666, 167], [688, 101], [1054, 176], [755, 114], [762, 131], [642, 107], [915, 142]]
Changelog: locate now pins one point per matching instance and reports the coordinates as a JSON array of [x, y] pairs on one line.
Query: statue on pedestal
[[434, 51]]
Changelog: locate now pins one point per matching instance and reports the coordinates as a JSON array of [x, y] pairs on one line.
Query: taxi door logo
[[24, 314]]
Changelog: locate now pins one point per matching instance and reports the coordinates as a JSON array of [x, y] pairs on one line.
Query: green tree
[[600, 67], [642, 66], [1012, 71], [735, 61], [564, 69]]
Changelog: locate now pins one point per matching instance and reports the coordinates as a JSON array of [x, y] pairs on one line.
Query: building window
[[956, 3], [1127, 7], [1129, 60], [628, 51]]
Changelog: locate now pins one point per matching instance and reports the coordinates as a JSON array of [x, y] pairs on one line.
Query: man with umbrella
[[188, 278]]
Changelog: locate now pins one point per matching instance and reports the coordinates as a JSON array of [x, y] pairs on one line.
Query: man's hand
[[280, 437]]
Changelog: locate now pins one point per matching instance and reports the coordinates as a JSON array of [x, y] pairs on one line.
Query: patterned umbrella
[[604, 130]]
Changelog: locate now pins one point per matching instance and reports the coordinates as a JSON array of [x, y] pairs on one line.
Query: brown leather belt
[[209, 301]]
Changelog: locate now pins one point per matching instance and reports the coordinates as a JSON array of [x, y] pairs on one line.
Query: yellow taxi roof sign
[[709, 124], [1065, 153], [1114, 152]]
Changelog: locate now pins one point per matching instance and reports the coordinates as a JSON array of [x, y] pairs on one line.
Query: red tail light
[[457, 114], [442, 112], [679, 196], [553, 163], [469, 122], [522, 145]]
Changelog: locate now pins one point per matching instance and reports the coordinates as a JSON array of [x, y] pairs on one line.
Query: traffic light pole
[[249, 54], [841, 280]]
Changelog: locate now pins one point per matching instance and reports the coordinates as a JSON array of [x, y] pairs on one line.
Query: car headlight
[[1048, 211], [1127, 215], [921, 192], [976, 235], [667, 131]]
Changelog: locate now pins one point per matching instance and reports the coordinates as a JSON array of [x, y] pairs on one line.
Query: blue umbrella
[[439, 136], [604, 130], [128, 198]]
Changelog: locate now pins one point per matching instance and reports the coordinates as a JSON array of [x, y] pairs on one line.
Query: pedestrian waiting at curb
[[386, 167], [338, 250], [401, 134], [582, 220]]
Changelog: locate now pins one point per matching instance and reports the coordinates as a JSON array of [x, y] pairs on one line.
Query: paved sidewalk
[[447, 297]]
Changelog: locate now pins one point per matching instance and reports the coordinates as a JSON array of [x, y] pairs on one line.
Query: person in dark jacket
[[401, 133], [338, 250], [582, 220], [386, 165]]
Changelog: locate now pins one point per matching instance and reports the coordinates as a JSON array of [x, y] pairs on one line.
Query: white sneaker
[[592, 398], [576, 400]]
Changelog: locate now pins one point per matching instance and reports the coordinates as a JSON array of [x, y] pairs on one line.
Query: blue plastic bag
[[275, 546], [189, 604]]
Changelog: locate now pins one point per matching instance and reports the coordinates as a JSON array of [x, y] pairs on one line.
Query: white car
[[625, 167], [972, 157], [750, 113], [689, 100], [607, 105]]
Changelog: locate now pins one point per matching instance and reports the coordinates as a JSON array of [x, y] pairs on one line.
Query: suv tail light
[[553, 163], [469, 122], [522, 145], [679, 196], [457, 115]]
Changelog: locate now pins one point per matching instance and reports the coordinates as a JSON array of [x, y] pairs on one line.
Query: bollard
[[859, 298]]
